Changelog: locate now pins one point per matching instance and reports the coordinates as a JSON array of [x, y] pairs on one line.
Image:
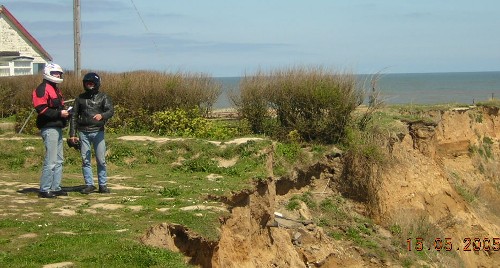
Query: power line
[[146, 27]]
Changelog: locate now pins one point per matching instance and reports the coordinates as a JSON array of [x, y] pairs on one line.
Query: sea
[[411, 88]]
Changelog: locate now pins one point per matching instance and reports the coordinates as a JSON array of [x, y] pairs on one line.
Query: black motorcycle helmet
[[94, 78]]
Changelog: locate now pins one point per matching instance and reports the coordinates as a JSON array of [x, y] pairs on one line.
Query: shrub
[[178, 122], [190, 123], [155, 91], [26, 121], [147, 90], [126, 120], [16, 92], [315, 103], [136, 95], [252, 104], [6, 91]]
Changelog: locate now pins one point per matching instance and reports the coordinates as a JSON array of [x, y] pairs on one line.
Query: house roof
[[23, 31]]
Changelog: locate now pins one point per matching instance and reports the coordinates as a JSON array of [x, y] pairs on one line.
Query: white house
[[20, 53]]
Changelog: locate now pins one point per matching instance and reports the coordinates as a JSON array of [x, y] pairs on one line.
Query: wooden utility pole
[[76, 34]]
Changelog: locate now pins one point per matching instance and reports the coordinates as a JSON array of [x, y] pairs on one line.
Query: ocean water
[[417, 88]]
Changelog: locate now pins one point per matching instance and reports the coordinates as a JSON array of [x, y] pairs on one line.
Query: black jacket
[[85, 107]]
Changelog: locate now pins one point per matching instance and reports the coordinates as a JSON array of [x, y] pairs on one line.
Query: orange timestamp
[[447, 244]]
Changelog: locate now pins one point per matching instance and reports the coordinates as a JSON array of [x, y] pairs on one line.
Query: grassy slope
[[150, 182]]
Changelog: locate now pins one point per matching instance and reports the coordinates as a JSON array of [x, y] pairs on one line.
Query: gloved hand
[[74, 142]]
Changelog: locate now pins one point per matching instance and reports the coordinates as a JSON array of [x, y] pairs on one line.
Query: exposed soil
[[430, 162]]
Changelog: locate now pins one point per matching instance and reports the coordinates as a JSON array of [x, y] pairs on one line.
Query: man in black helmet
[[91, 110]]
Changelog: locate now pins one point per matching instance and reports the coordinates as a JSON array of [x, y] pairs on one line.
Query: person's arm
[[73, 121], [41, 96], [108, 108]]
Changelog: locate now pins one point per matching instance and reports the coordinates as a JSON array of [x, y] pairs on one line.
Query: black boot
[[87, 190], [46, 195], [103, 189], [60, 193]]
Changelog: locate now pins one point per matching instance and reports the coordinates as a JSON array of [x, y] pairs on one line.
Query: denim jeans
[[52, 164], [97, 140]]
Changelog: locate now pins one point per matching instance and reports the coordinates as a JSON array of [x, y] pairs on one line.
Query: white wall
[[12, 40]]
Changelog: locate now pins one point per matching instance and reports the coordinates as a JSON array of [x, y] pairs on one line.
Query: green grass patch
[[150, 182]]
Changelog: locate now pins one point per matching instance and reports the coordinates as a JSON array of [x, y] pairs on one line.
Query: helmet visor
[[89, 85], [56, 74]]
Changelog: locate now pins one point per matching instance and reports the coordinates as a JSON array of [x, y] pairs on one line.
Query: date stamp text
[[449, 244]]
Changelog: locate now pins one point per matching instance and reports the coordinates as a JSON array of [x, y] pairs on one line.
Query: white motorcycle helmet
[[49, 70]]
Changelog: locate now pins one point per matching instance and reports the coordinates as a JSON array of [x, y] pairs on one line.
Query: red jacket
[[48, 102]]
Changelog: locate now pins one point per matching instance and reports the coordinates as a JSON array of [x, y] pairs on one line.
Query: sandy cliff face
[[444, 177], [440, 172]]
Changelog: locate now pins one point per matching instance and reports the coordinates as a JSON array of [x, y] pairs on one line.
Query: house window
[[10, 66], [23, 66], [4, 69], [22, 71], [38, 68]]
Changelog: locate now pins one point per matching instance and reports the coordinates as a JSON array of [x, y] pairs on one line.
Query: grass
[[493, 103], [9, 119], [85, 248], [151, 183]]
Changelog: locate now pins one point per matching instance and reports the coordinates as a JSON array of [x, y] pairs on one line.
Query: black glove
[[75, 144]]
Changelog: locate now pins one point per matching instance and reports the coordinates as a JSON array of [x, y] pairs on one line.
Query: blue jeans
[[52, 164], [97, 140]]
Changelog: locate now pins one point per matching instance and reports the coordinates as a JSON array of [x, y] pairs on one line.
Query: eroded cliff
[[443, 176]]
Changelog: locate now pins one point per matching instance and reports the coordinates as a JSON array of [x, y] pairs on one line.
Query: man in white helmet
[[52, 118]]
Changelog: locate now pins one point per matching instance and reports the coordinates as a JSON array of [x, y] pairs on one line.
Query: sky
[[224, 38]]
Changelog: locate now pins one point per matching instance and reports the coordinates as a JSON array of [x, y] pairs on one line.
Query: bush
[[190, 123], [126, 120], [26, 120], [147, 90], [155, 91], [252, 104], [315, 103], [135, 95], [178, 122]]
